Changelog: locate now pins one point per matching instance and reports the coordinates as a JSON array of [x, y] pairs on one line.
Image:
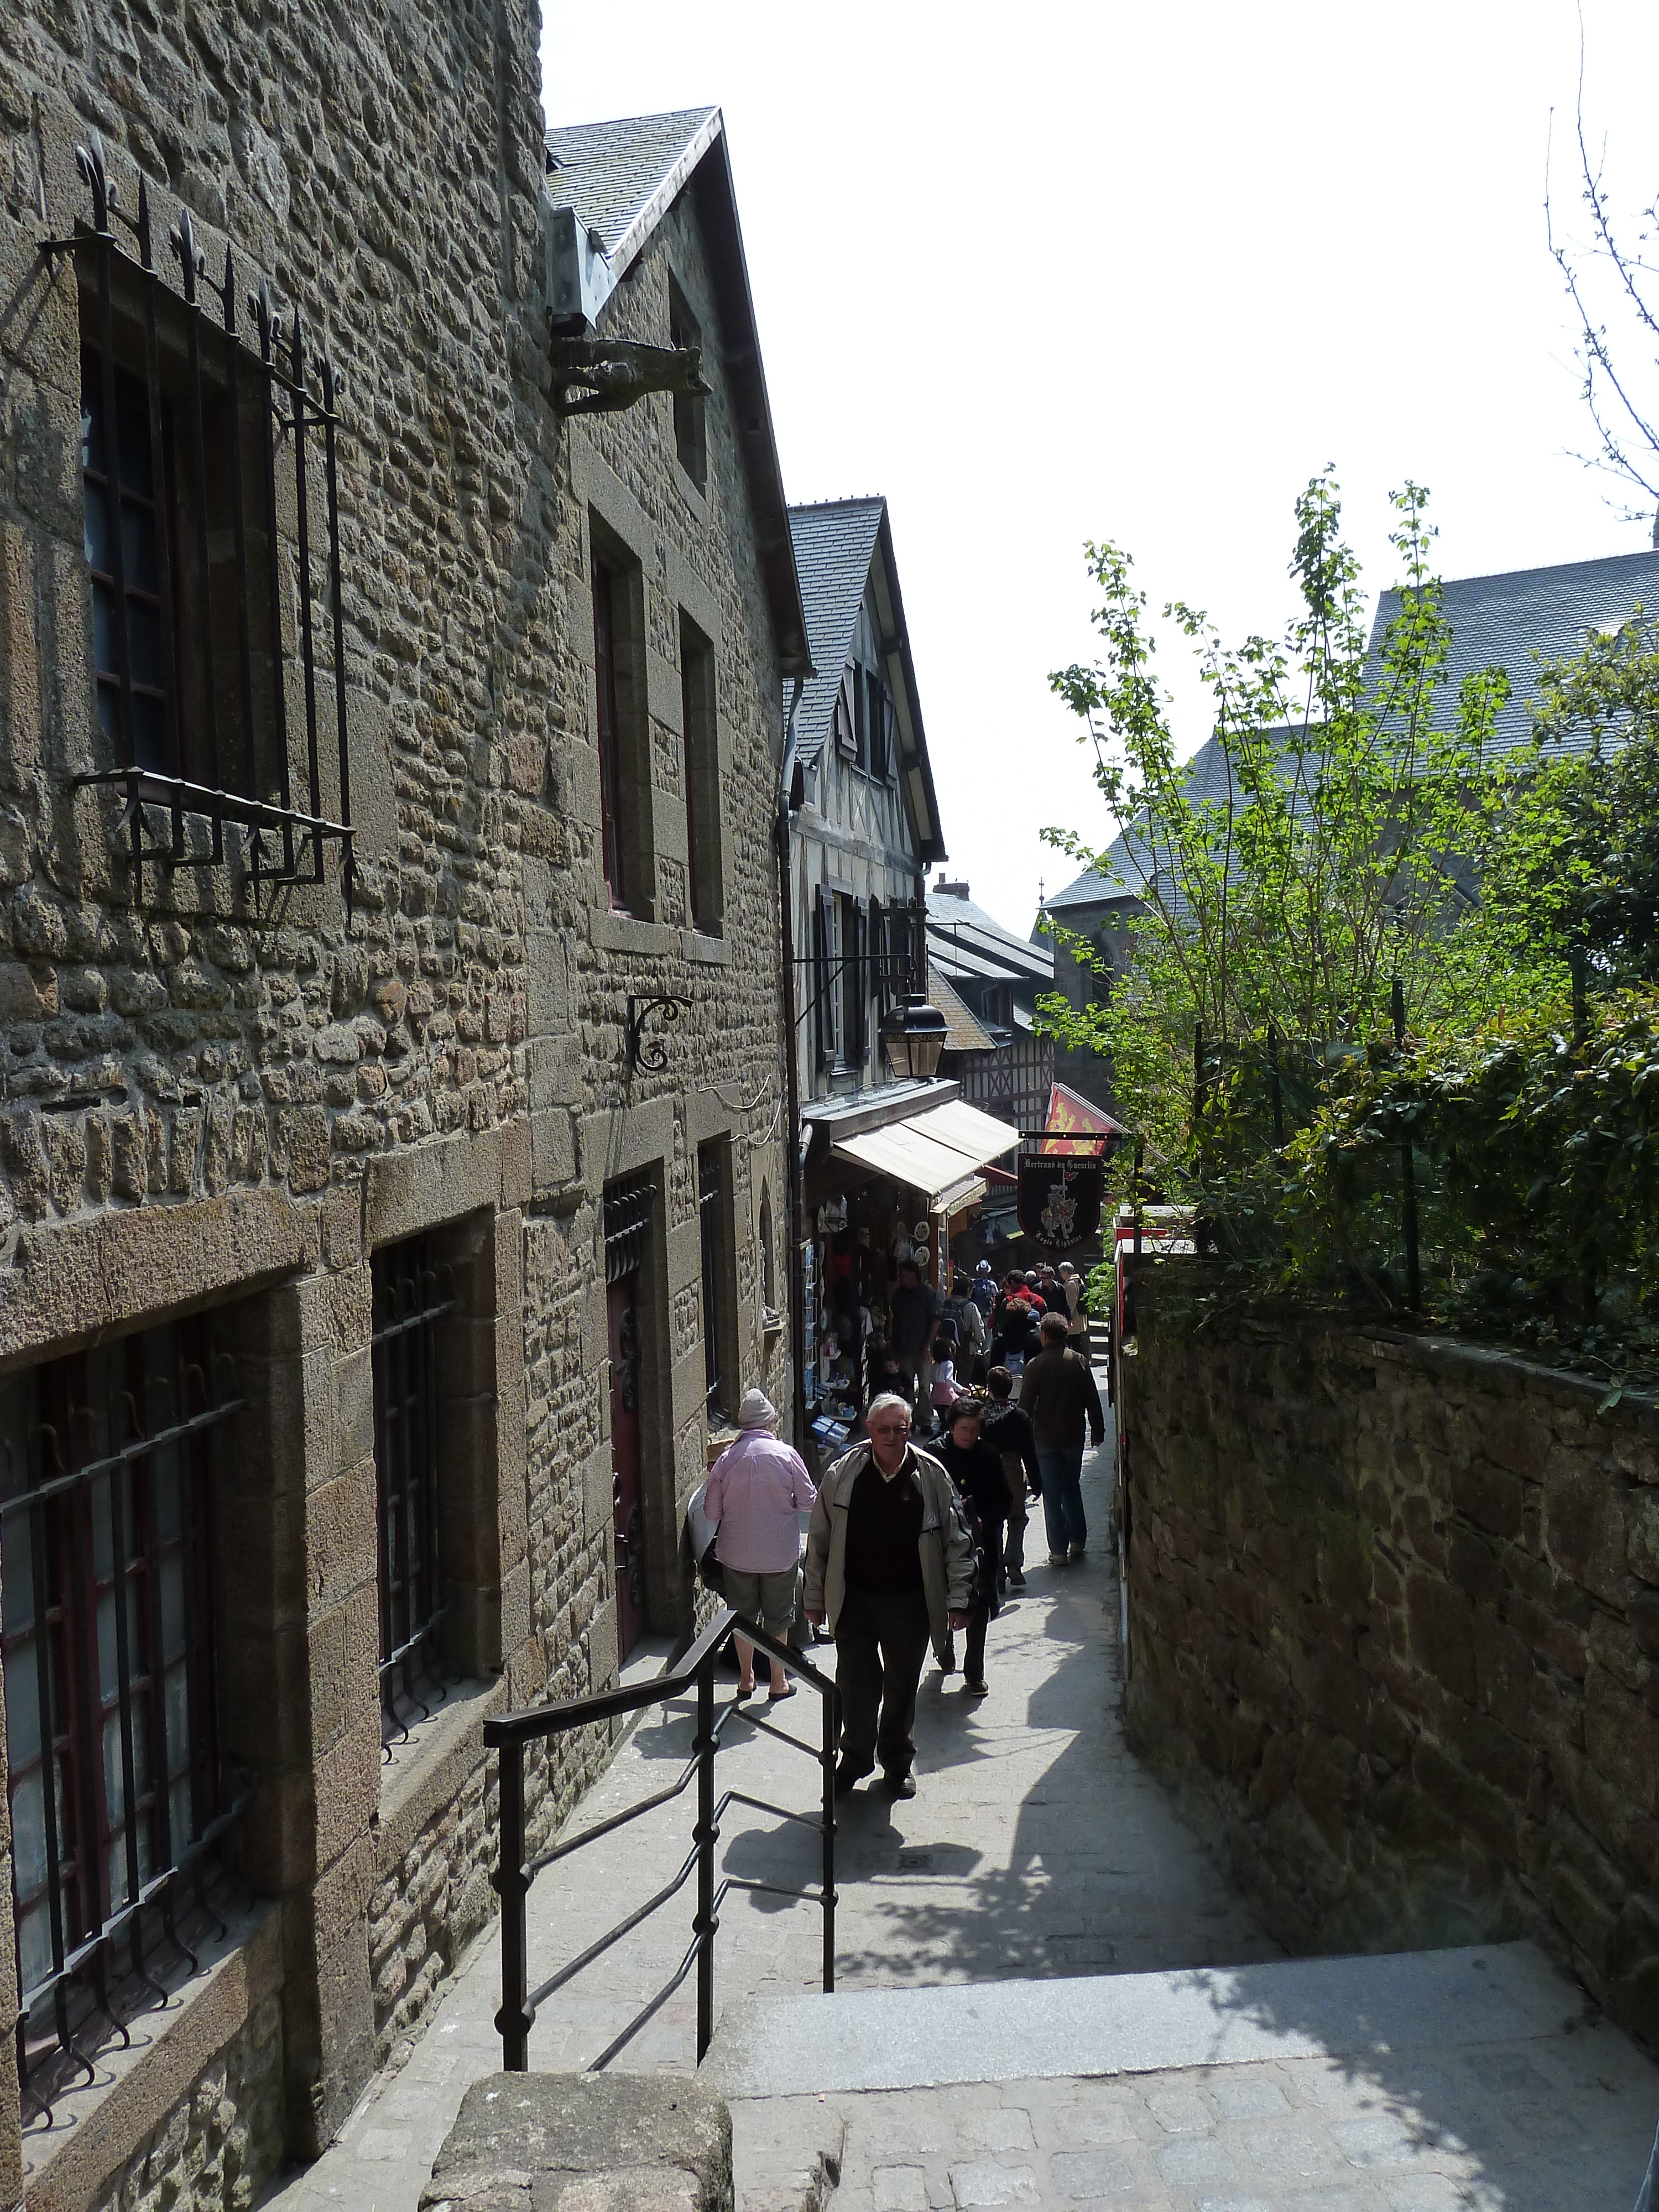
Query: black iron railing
[[510, 1732]]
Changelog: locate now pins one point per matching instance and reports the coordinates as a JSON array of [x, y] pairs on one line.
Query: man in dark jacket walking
[[1010, 1434], [1058, 1391], [976, 1471]]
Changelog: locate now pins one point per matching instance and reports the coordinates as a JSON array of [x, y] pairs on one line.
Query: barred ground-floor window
[[413, 1296], [117, 1793]]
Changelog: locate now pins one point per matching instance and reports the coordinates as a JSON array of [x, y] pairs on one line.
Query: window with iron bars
[[713, 1218], [117, 1791], [194, 443], [412, 1298]]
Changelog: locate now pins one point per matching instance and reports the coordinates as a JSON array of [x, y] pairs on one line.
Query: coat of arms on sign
[[1058, 1214]]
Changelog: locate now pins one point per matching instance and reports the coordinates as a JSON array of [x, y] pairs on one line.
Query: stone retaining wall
[[1394, 1620]]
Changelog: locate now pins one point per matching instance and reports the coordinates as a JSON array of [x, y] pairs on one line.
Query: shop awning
[[934, 1151], [968, 1192]]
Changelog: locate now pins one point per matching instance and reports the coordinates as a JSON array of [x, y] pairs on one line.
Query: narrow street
[[1036, 1845]]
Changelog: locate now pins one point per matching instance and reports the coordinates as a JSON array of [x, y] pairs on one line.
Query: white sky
[[1130, 271]]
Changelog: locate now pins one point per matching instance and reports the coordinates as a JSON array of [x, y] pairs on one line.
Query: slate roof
[[835, 543], [1505, 620], [963, 1031], [966, 946], [1499, 621], [622, 177]]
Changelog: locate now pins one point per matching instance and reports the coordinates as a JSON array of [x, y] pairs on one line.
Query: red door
[[627, 1491]]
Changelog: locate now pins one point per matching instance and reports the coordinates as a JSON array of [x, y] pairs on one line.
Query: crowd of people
[[938, 1349], [907, 1547]]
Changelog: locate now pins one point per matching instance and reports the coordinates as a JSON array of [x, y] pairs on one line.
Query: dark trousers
[[1013, 1552], [1062, 1497], [881, 1642], [973, 1659]]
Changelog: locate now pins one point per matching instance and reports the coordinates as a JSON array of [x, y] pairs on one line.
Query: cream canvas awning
[[934, 1152]]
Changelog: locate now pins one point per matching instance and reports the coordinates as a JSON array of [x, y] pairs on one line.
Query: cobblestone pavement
[[1560, 2126], [1036, 1845]]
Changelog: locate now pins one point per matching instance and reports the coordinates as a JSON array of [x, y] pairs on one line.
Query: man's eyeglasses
[[892, 1428]]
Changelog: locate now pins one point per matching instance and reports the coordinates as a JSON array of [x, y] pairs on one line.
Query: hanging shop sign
[[1058, 1199]]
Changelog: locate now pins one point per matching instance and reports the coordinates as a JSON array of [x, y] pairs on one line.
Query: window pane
[[144, 641], [138, 546], [132, 436], [103, 628], [23, 1696], [95, 531]]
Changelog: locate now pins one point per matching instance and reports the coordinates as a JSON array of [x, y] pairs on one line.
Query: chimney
[[951, 890]]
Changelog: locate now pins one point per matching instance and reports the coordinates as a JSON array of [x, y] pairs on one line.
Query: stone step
[[1109, 2024], [1419, 2082]]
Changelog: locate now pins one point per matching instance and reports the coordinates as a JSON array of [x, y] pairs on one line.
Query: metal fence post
[[512, 2021], [703, 1927], [831, 1737], [1278, 1097]]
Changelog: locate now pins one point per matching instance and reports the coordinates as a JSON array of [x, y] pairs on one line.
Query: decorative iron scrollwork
[[652, 1057]]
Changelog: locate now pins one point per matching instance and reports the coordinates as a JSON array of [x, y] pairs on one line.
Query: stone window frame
[[690, 411], [631, 801], [216, 881], [700, 751], [477, 1514], [669, 580], [100, 2125]]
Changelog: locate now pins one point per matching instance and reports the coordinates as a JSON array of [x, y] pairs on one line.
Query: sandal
[[745, 1690], [777, 1696]]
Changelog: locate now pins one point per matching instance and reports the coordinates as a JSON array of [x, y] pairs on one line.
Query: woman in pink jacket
[[758, 1488]]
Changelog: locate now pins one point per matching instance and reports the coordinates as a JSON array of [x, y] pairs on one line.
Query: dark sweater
[[978, 1474], [884, 1533], [1058, 1391], [1009, 1431]]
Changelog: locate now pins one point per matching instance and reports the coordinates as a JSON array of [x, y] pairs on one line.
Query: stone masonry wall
[[218, 2148], [427, 1908], [211, 1099], [1395, 1629]]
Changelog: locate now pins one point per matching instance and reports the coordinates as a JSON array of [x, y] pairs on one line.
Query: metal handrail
[[507, 1733]]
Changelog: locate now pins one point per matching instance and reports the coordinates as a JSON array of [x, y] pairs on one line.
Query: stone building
[[392, 627]]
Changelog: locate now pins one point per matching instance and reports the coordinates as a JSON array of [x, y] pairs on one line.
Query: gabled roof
[[1503, 621], [837, 543], [966, 945], [1499, 621], [964, 1032], [621, 179]]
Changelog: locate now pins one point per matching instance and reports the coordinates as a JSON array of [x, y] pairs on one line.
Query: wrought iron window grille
[[411, 1298], [626, 1224], [283, 837], [119, 1799]]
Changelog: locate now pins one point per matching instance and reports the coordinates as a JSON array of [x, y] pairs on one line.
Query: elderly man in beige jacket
[[889, 1563]]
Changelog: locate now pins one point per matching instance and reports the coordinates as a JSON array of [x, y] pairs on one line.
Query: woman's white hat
[[757, 1411]]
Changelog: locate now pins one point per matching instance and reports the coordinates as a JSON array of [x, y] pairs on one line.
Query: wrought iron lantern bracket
[[651, 1054]]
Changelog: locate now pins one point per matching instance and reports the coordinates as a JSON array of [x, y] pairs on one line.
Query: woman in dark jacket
[[976, 1472]]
